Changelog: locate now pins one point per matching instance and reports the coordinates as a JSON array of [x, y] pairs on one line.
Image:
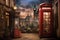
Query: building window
[[7, 2], [7, 19]]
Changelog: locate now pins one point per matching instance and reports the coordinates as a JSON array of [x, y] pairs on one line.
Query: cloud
[[30, 3], [26, 2]]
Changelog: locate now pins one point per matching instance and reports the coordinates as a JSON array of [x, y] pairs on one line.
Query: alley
[[30, 19]]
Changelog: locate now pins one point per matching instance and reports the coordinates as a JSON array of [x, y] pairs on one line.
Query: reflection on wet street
[[28, 36], [32, 36]]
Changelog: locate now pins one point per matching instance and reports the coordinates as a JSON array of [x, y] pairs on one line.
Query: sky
[[30, 3]]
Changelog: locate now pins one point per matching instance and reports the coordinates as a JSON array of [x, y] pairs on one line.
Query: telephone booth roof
[[45, 5]]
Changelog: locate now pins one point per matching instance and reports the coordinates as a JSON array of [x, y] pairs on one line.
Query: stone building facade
[[56, 8], [6, 6]]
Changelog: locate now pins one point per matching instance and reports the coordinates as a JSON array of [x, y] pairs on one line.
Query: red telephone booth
[[46, 20]]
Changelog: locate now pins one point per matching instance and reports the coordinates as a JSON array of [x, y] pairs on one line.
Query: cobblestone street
[[32, 36], [28, 36]]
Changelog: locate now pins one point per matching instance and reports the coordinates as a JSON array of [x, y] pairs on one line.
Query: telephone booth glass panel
[[46, 22]]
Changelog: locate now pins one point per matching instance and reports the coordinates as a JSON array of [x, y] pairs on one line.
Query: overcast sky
[[30, 3]]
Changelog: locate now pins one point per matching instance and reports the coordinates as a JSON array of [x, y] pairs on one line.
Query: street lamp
[[15, 7]]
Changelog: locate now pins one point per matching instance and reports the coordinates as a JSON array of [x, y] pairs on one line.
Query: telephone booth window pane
[[46, 21], [45, 13], [47, 17]]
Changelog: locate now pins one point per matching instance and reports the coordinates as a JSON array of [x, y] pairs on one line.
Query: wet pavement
[[32, 36], [28, 36]]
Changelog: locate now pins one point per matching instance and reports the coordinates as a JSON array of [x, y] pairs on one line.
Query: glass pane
[[46, 13], [48, 16], [7, 19], [46, 21]]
